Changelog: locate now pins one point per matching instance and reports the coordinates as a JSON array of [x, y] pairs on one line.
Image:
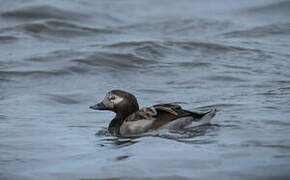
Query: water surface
[[59, 57]]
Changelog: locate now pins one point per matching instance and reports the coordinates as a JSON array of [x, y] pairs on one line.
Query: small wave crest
[[8, 38], [189, 136], [115, 60], [55, 28], [162, 49], [63, 99], [270, 9], [226, 78], [207, 46], [151, 49], [42, 12], [180, 26], [261, 31]]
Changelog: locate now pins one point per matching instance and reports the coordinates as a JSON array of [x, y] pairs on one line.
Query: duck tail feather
[[207, 116]]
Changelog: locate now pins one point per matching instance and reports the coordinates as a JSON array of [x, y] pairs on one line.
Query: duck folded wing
[[177, 111], [172, 112], [154, 117], [148, 118], [142, 114], [170, 108], [151, 112], [164, 112]]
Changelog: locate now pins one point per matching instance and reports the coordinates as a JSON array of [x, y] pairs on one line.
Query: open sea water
[[58, 57]]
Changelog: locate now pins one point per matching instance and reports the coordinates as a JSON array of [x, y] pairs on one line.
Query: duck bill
[[99, 106]]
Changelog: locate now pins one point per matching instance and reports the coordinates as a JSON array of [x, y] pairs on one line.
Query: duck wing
[[163, 113], [172, 111], [176, 110], [154, 117], [152, 112]]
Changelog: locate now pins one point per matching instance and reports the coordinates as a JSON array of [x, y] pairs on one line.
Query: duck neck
[[115, 124]]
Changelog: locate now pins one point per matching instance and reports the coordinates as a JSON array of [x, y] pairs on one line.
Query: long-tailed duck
[[130, 120]]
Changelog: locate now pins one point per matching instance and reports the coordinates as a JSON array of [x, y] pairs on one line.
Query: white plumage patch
[[111, 99], [116, 99]]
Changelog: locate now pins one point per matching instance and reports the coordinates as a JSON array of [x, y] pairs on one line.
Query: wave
[[8, 75], [148, 49], [191, 64], [158, 49], [37, 73], [220, 106], [54, 28], [4, 80], [63, 63], [114, 60], [63, 99], [208, 46], [121, 56], [225, 78], [261, 31], [35, 13], [3, 117], [8, 38], [179, 26], [42, 12], [270, 9], [134, 44]]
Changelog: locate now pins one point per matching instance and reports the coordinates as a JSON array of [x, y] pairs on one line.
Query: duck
[[130, 120]]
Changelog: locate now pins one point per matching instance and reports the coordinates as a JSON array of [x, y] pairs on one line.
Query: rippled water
[[60, 56]]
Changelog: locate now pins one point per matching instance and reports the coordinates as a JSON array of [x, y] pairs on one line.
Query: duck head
[[120, 102]]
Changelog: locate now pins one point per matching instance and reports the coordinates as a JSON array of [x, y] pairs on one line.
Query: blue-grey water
[[58, 57]]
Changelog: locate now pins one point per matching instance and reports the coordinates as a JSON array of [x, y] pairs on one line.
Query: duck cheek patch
[[117, 100]]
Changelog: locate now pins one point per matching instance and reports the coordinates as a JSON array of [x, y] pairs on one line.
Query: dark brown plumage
[[129, 120]]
